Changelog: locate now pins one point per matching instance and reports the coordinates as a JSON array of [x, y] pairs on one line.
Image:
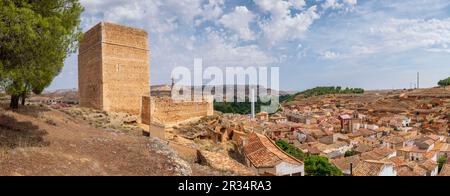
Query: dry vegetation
[[41, 141]]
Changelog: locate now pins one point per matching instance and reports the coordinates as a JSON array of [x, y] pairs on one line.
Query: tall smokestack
[[418, 80], [253, 103]]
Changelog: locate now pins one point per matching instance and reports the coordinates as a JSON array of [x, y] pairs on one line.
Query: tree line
[[445, 82], [35, 39], [236, 107], [318, 91]]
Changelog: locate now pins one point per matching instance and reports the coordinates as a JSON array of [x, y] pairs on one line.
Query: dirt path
[[39, 141]]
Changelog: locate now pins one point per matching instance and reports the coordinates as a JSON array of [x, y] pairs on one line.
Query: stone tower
[[114, 68]]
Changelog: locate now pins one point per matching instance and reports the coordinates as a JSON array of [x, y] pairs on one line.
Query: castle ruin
[[114, 76], [114, 68]]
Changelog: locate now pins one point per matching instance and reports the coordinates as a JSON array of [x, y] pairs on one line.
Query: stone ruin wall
[[145, 112], [114, 68], [164, 110]]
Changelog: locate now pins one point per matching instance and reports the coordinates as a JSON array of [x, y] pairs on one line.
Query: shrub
[[292, 150]]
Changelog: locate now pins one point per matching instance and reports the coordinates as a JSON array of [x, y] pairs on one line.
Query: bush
[[320, 166], [350, 153], [238, 107], [445, 82], [295, 152], [441, 162]]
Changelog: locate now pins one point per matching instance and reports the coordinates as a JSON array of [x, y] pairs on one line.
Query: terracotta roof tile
[[344, 163], [445, 170], [377, 154], [429, 165], [262, 152], [369, 168]]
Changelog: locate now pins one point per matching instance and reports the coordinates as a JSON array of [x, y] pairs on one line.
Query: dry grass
[[3, 153], [70, 146]]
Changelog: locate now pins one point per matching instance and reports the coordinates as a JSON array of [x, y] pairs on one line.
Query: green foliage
[[445, 82], [320, 166], [35, 39], [314, 165], [442, 161], [350, 153], [330, 90], [286, 98], [238, 107], [320, 91], [295, 152]]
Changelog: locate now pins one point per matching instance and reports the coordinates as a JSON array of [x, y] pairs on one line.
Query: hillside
[[318, 91], [40, 141]]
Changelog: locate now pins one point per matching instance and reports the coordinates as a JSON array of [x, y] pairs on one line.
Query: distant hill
[[68, 94], [166, 89], [318, 91]]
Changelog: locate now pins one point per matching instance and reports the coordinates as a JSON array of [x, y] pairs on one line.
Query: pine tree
[[35, 39]]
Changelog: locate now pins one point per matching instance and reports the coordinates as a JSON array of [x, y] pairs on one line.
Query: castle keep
[[114, 76], [114, 68]]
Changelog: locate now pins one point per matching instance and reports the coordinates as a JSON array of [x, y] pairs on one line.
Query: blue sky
[[373, 44]]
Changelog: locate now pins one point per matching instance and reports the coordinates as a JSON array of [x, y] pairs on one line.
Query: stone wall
[[90, 69], [164, 110], [114, 68], [145, 112]]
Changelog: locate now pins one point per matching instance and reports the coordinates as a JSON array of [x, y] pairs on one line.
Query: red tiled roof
[[412, 149], [263, 153], [369, 168], [344, 163], [429, 165], [398, 161], [377, 154], [445, 170]]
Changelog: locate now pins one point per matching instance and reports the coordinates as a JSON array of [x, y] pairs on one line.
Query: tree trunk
[[23, 98], [14, 104]]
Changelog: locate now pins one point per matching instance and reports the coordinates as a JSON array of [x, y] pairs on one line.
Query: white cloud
[[175, 36], [405, 34], [345, 5], [224, 52], [211, 11], [239, 21], [387, 36], [298, 4], [282, 24], [331, 4], [351, 2]]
